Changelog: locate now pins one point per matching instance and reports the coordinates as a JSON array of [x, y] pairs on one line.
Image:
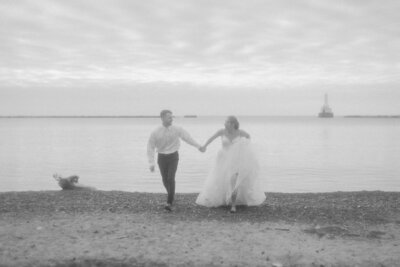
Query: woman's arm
[[244, 134], [212, 138]]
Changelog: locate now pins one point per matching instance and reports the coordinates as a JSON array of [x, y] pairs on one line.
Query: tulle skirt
[[236, 169]]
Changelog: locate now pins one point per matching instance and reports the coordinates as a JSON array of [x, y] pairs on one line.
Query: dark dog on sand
[[70, 183]]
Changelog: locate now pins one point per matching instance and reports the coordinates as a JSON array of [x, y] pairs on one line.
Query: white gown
[[236, 168]]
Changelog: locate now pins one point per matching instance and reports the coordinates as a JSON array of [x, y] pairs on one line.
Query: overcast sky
[[213, 57]]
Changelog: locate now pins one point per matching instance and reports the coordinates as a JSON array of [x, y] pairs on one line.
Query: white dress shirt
[[166, 140]]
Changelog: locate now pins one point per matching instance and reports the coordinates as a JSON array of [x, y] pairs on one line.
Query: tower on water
[[326, 111]]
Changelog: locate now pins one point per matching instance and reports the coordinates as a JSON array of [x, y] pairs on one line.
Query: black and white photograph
[[199, 133]]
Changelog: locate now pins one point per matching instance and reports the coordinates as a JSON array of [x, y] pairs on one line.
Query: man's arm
[[185, 136], [151, 146]]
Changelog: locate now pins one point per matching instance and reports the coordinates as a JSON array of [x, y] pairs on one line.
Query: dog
[[70, 183]]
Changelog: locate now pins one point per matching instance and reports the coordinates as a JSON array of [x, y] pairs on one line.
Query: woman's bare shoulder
[[244, 133]]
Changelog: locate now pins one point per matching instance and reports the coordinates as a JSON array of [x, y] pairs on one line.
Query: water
[[297, 154]]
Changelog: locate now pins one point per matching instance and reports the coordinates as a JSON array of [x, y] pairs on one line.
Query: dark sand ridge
[[103, 228]]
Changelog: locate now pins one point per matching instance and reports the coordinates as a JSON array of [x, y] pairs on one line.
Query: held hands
[[152, 168], [202, 149]]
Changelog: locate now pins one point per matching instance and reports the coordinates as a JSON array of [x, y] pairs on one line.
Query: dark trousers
[[168, 164]]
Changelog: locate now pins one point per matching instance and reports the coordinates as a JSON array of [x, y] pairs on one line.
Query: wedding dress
[[235, 169]]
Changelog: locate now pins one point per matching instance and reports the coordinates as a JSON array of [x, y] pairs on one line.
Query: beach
[[116, 228]]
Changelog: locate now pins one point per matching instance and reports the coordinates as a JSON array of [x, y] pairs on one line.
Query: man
[[166, 140]]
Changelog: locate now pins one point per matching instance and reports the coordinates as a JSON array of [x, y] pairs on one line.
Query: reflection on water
[[297, 154]]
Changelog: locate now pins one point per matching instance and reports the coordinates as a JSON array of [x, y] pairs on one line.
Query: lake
[[297, 154]]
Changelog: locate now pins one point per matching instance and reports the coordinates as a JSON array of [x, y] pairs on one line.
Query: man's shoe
[[168, 207]]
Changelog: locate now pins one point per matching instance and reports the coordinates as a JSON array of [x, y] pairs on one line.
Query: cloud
[[227, 43]]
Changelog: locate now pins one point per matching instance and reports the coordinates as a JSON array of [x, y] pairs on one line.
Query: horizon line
[[191, 116], [140, 116]]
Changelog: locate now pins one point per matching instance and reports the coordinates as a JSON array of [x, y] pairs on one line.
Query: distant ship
[[326, 111]]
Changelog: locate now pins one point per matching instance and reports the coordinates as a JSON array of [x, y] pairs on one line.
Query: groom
[[166, 140]]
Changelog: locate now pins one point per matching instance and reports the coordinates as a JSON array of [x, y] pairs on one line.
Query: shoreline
[[116, 228], [371, 207]]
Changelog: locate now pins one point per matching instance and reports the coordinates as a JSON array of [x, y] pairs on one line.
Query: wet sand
[[113, 228]]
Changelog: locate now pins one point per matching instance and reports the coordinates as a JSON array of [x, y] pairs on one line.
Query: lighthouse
[[326, 111]]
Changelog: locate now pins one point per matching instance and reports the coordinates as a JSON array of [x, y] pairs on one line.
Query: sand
[[112, 228]]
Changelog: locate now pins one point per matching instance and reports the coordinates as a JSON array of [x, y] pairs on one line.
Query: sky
[[204, 57]]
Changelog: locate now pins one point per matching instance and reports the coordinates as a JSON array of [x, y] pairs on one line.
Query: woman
[[234, 179]]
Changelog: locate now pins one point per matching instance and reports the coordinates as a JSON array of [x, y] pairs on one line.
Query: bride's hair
[[234, 121]]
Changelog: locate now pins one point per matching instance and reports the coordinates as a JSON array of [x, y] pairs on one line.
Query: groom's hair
[[165, 112]]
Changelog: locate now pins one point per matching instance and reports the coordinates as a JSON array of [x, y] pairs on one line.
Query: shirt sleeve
[[185, 136], [151, 146]]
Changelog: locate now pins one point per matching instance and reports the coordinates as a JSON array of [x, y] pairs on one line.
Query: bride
[[234, 178]]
